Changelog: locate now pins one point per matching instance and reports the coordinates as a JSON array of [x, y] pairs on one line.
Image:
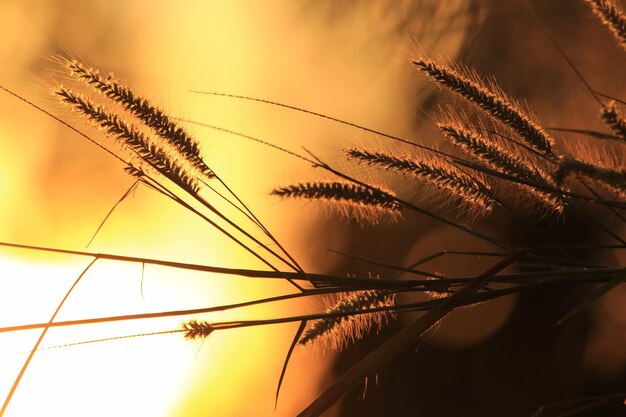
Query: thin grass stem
[[46, 327]]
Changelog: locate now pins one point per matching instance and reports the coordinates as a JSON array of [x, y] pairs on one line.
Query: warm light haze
[[521, 245]]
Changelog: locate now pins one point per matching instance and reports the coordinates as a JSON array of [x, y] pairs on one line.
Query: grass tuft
[[365, 204], [195, 330], [612, 17], [338, 331], [612, 179], [156, 156], [492, 100], [443, 176], [141, 108], [613, 118], [502, 160]]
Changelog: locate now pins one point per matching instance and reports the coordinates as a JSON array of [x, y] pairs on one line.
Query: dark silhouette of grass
[[168, 160]]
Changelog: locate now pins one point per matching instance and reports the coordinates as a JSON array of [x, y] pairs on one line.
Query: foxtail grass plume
[[487, 151], [502, 160], [612, 179], [195, 330], [443, 176], [438, 291], [612, 17], [338, 331], [492, 100], [354, 201], [613, 118], [141, 108], [157, 157]]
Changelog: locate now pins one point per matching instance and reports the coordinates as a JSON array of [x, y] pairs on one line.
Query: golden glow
[[55, 188], [142, 375]]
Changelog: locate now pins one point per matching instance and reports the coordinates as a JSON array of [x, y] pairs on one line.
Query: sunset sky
[[56, 188], [349, 61]]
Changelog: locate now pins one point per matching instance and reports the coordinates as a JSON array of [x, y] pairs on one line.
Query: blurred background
[[348, 59]]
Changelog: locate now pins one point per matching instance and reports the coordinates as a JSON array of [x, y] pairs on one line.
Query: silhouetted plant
[[520, 153]]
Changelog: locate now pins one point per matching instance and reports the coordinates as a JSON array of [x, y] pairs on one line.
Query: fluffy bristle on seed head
[[612, 17], [157, 157], [467, 190], [197, 329], [502, 160], [339, 331], [612, 179], [613, 118], [354, 201], [491, 99], [150, 115]]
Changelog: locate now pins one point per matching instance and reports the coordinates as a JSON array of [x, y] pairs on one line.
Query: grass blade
[[605, 288], [294, 342]]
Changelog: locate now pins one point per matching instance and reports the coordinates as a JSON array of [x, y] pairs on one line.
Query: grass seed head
[[492, 100], [354, 201], [339, 331]]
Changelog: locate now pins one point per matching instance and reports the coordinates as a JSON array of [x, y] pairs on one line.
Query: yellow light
[[140, 376]]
